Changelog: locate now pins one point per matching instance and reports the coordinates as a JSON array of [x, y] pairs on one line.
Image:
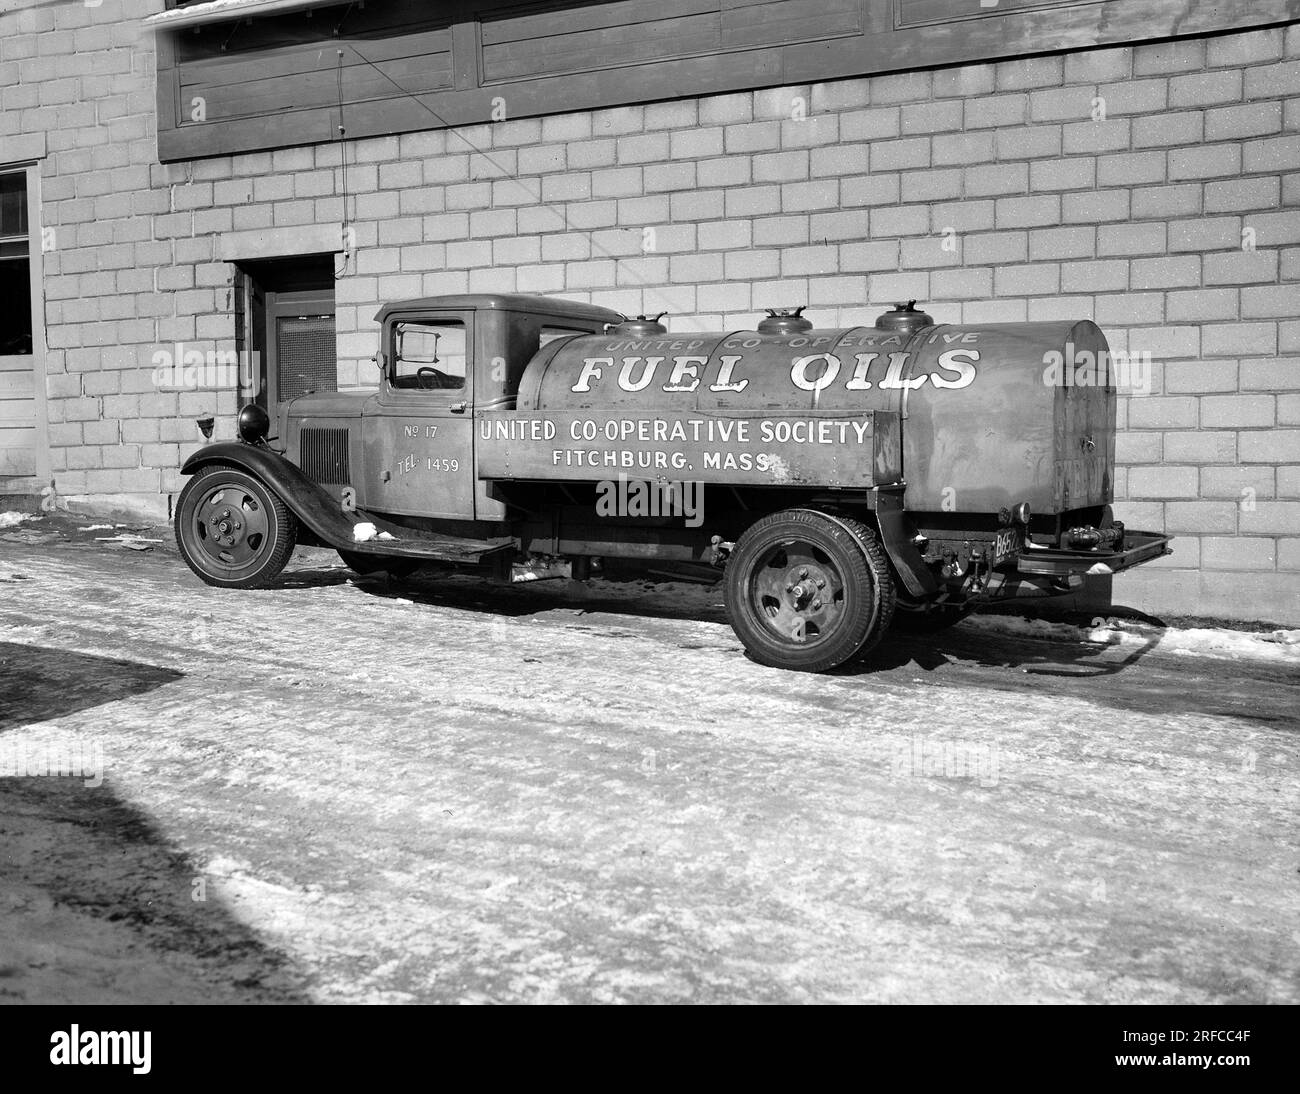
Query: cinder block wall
[[1154, 189]]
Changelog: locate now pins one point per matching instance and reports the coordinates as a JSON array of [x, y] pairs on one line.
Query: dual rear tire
[[808, 590]]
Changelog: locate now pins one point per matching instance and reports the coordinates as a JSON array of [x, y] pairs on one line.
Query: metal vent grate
[[305, 357], [324, 456]]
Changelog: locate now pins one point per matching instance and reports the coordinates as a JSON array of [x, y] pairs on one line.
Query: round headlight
[[1020, 513], [254, 424]]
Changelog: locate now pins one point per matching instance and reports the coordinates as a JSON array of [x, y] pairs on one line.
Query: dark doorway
[[286, 317]]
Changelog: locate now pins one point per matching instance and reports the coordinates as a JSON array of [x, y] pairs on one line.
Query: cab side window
[[429, 355]]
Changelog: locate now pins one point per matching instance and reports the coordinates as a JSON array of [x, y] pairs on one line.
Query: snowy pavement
[[345, 790]]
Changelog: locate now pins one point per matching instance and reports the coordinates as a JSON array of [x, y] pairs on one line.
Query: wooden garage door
[[17, 375]]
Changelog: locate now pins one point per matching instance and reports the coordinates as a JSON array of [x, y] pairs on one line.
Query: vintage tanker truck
[[851, 479]]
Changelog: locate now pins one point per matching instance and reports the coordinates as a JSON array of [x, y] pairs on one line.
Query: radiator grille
[[323, 456]]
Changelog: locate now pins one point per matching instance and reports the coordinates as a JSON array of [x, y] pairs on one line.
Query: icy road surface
[[345, 790]]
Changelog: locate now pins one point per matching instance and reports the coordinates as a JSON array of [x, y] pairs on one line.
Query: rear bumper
[[1139, 547]]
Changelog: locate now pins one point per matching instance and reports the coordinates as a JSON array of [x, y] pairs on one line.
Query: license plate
[[1007, 545]]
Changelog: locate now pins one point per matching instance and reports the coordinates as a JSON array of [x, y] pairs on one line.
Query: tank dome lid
[[784, 321], [643, 326], [904, 317]]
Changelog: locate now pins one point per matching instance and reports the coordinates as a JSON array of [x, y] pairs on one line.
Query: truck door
[[419, 432]]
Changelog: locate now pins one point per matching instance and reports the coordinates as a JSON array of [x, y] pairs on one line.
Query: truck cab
[[408, 448]]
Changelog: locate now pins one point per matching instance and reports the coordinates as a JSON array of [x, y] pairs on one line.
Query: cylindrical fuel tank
[[992, 414]]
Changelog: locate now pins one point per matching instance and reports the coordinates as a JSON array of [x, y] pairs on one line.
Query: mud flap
[[916, 576]]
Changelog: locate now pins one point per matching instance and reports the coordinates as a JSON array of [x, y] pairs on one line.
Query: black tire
[[232, 529], [777, 607], [373, 564], [930, 620]]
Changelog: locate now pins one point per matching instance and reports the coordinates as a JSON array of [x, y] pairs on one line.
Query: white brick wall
[[1135, 218]]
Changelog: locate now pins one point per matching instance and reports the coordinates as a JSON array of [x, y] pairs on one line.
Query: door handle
[[459, 408]]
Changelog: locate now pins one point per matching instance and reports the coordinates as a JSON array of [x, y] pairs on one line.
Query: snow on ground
[[1123, 634], [344, 789], [1279, 645]]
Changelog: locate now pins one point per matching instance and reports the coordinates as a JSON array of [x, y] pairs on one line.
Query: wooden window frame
[[36, 276], [889, 42]]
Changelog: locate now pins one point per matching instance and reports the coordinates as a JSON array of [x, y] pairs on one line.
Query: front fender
[[316, 509]]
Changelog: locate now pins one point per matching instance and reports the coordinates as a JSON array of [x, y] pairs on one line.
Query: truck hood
[[329, 404]]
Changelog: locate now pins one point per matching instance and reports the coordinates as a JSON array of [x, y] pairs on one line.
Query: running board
[[414, 543]]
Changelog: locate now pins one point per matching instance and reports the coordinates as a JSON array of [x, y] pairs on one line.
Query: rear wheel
[[232, 530], [807, 591]]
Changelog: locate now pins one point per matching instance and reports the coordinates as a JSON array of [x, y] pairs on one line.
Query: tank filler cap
[[784, 321], [643, 326], [904, 317]]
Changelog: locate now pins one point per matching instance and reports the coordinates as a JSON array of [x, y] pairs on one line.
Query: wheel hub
[[227, 528], [804, 589], [799, 592], [231, 527]]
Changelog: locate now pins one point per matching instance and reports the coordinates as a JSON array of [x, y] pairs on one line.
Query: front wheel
[[232, 530], [807, 590]]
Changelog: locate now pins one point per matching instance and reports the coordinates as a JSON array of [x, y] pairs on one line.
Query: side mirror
[[380, 360]]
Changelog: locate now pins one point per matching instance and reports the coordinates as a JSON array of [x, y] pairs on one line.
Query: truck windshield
[[429, 355]]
